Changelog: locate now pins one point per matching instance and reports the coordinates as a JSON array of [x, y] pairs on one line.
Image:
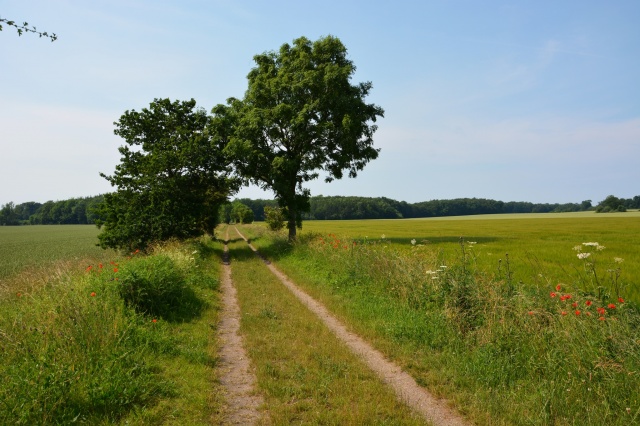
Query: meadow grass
[[305, 373], [506, 352], [538, 247], [74, 350]]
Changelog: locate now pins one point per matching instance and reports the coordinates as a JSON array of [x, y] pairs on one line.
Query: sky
[[524, 100]]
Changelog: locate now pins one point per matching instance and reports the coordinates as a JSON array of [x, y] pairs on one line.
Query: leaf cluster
[[24, 28]]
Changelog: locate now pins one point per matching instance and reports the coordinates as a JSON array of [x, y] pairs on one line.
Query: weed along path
[[238, 380], [433, 410]]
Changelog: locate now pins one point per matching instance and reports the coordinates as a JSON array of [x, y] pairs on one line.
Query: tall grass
[[507, 351], [75, 349]]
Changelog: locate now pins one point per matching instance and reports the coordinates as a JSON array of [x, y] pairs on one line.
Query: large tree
[[171, 179], [300, 115]]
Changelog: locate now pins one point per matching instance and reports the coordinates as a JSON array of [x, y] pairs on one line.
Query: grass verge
[[74, 350]]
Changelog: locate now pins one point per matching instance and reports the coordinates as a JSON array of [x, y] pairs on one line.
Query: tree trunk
[[291, 224]]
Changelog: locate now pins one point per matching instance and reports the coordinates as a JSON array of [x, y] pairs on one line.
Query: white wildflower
[[472, 242], [578, 248], [600, 248], [592, 244], [413, 242], [618, 259], [383, 236], [583, 255]]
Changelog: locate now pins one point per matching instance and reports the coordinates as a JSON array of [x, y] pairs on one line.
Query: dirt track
[[432, 409]]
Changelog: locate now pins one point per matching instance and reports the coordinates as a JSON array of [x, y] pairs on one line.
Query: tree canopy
[[171, 179], [300, 115]]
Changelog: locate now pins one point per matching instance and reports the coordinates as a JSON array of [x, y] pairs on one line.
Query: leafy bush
[[274, 216], [153, 285]]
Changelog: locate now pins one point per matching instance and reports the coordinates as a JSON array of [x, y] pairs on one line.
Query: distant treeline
[[337, 208], [76, 211], [82, 210]]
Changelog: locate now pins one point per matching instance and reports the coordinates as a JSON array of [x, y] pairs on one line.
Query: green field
[[27, 246], [540, 246]]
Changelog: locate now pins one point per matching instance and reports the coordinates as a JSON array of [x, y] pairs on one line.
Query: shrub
[[153, 285]]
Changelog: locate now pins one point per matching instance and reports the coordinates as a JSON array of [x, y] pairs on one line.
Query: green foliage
[[611, 204], [156, 286], [171, 179], [274, 217], [25, 28], [300, 115], [241, 213]]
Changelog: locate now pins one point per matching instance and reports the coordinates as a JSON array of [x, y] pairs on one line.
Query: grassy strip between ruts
[[306, 374], [505, 353], [78, 348]]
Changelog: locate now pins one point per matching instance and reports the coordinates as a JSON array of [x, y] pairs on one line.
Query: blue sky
[[511, 100]]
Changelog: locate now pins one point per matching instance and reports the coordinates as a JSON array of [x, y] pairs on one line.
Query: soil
[[236, 376], [407, 390]]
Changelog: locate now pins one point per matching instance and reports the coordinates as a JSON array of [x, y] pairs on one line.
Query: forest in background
[[81, 211]]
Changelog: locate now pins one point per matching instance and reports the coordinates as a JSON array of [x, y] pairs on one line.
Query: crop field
[[23, 247], [540, 247]]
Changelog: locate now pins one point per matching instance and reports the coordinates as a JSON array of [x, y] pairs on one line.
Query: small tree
[[171, 179], [300, 115], [274, 217], [241, 213]]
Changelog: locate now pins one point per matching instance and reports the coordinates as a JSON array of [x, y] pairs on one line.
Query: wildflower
[[19, 294], [577, 248], [562, 298], [154, 320], [115, 269], [567, 296], [577, 312], [611, 306], [601, 319], [618, 259], [93, 294], [552, 294], [588, 302], [100, 265], [620, 299], [591, 244], [583, 255], [563, 313], [588, 314], [89, 268], [413, 242], [601, 311], [383, 236], [574, 304], [558, 287], [530, 312]]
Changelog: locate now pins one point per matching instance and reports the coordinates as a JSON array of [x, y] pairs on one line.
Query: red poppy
[[601, 319], [577, 312], [552, 294], [567, 296], [115, 269], [100, 265], [611, 306], [620, 299], [19, 294], [93, 294], [89, 268], [154, 320], [558, 287], [563, 313], [574, 304], [530, 312], [588, 302], [601, 311]]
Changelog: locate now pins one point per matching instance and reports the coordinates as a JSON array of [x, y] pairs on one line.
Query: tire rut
[[407, 390], [236, 376]]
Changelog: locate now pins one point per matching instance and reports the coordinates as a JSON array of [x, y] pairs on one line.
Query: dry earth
[[432, 409], [236, 376]]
